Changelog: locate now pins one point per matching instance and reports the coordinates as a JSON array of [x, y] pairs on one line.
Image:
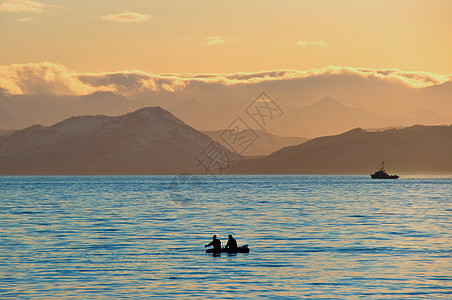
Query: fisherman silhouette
[[232, 244], [216, 243]]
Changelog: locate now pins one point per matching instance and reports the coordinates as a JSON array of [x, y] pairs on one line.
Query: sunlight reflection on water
[[310, 237]]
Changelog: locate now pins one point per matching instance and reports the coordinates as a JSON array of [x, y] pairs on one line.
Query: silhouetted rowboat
[[241, 249]]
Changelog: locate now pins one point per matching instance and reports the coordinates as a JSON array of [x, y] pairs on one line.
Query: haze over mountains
[[324, 117], [264, 144], [315, 103], [328, 116]]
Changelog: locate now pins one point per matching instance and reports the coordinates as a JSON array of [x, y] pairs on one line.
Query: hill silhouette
[[147, 141], [417, 149]]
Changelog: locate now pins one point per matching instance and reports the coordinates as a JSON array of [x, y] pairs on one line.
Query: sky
[[210, 36]]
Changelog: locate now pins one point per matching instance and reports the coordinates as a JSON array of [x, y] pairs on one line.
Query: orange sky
[[228, 36]]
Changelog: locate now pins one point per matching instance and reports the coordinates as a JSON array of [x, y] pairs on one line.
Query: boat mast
[[382, 166]]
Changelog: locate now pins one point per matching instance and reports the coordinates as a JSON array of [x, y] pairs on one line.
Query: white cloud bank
[[127, 17], [19, 6], [41, 78], [50, 78]]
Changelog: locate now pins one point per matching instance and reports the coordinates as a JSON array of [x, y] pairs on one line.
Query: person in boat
[[232, 244], [216, 243]]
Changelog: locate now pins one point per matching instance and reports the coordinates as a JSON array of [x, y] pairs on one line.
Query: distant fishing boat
[[381, 174]]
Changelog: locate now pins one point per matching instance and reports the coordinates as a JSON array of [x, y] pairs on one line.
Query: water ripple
[[331, 237]]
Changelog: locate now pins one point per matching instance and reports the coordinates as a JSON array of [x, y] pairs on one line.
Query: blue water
[[332, 237]]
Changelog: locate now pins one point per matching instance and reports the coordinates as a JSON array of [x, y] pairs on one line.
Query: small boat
[[381, 174], [241, 249]]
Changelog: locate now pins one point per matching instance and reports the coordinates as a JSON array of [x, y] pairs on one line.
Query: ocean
[[313, 237]]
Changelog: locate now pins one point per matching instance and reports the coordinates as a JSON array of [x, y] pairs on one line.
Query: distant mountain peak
[[328, 100], [150, 111], [327, 103], [355, 131], [103, 94], [152, 116]]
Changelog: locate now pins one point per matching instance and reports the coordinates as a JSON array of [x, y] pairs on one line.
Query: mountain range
[[147, 141], [328, 116], [325, 116], [153, 141], [413, 150]]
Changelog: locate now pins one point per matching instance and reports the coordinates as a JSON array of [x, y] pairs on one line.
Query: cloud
[[132, 82], [25, 20], [214, 40], [127, 17], [220, 40], [19, 6], [50, 78], [41, 78], [310, 43]]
